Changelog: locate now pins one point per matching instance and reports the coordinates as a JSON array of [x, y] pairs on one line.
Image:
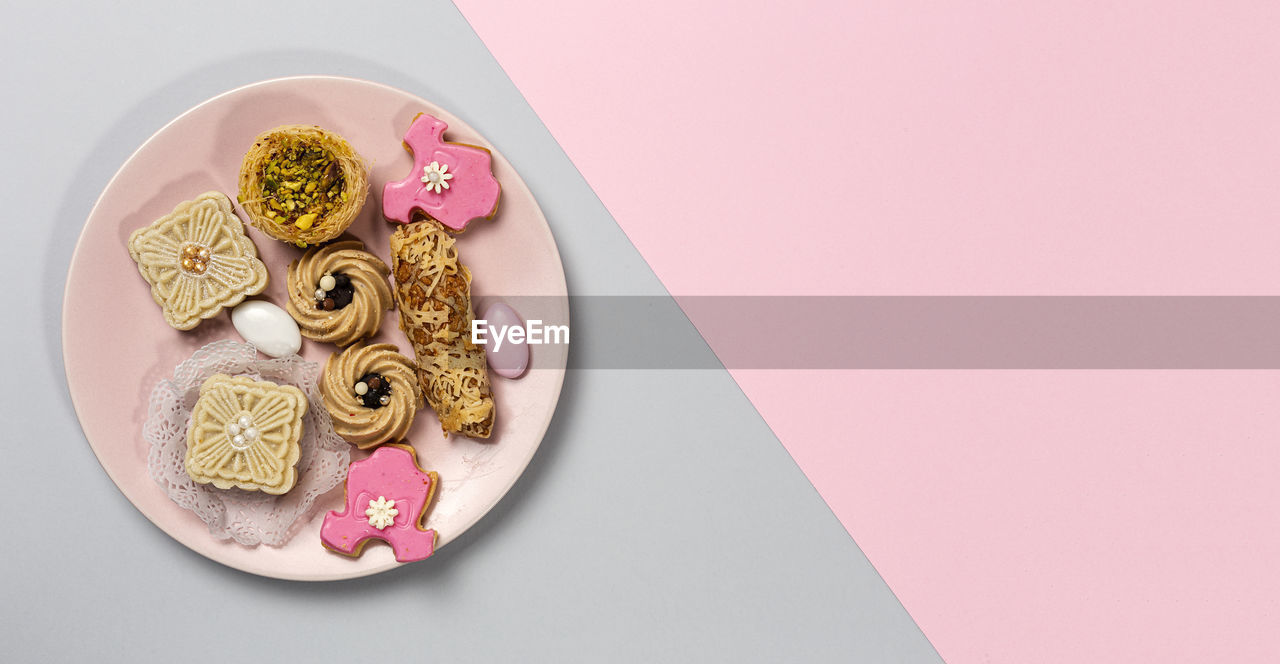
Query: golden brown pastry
[[302, 184], [433, 291], [338, 293], [371, 393]]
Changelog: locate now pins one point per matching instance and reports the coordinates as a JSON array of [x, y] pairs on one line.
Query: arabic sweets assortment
[[247, 444]]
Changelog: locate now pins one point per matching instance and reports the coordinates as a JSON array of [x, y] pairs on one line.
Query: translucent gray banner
[[927, 332]]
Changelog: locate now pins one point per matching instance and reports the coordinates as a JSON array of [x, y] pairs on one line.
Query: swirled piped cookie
[[198, 260], [338, 292], [244, 433], [371, 393]]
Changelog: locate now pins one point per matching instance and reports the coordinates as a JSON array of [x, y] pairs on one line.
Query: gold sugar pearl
[[196, 258]]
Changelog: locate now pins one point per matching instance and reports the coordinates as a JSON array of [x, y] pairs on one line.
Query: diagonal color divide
[[970, 148], [659, 520]]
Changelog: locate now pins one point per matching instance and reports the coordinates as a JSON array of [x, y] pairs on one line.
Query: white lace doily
[[249, 517]]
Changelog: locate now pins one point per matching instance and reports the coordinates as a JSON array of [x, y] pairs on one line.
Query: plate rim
[[75, 260]]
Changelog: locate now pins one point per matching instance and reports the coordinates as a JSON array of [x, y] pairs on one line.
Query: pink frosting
[[472, 193], [391, 473]]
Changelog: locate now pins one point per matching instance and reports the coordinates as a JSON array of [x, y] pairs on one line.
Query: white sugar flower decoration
[[381, 512], [436, 175]]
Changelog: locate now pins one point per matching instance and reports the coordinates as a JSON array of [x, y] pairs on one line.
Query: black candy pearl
[[378, 388], [341, 295]]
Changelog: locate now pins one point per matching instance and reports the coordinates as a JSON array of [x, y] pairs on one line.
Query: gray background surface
[[660, 521]]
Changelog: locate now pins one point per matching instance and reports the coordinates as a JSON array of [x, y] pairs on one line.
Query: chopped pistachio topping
[[301, 182]]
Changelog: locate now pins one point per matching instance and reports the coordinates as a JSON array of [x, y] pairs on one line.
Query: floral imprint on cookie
[[387, 496], [198, 260], [339, 292], [452, 183], [244, 433], [371, 393]]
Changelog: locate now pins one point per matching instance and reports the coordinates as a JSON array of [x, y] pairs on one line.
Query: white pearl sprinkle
[[238, 441], [320, 295], [251, 433], [233, 429], [362, 389], [327, 282], [245, 422], [384, 399]]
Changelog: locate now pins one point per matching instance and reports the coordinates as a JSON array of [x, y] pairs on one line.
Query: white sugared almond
[[268, 327]]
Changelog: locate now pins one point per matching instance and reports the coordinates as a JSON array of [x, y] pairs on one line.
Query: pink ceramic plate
[[116, 344]]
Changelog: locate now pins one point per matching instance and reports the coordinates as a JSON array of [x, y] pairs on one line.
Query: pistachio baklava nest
[[302, 184]]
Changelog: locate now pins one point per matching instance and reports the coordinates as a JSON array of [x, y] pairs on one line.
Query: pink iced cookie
[[450, 182], [387, 496]]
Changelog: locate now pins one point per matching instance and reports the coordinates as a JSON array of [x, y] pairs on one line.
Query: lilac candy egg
[[507, 359]]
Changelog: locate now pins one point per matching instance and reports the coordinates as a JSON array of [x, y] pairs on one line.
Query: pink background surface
[[969, 148]]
